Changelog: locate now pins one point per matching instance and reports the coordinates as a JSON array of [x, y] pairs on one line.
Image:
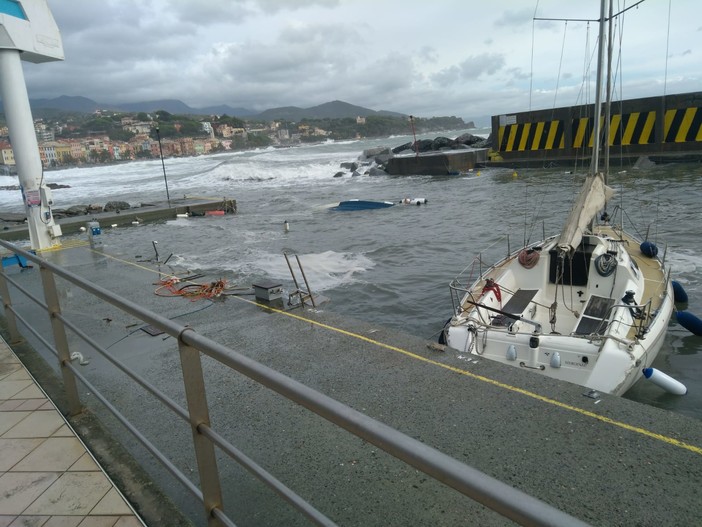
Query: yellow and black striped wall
[[647, 126]]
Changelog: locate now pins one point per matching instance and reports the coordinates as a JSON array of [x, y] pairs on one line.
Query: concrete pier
[[14, 227], [664, 129], [602, 459], [443, 163]]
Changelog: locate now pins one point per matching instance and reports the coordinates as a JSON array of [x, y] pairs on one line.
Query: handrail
[[502, 498]]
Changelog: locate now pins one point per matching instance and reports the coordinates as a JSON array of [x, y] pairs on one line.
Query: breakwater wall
[[665, 128]]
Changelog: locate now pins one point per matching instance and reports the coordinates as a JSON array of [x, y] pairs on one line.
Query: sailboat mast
[[595, 164], [608, 104]]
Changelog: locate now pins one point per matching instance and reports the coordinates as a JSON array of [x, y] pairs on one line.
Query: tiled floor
[[47, 477]]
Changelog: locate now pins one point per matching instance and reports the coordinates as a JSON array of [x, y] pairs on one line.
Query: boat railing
[[640, 315], [484, 489], [499, 251]]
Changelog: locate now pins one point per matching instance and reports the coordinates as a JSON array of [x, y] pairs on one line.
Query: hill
[[329, 110]]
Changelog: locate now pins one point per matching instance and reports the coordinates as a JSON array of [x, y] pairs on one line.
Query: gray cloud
[[382, 54]]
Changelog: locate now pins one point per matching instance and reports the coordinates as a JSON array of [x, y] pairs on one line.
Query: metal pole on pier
[[163, 165], [416, 146], [31, 34]]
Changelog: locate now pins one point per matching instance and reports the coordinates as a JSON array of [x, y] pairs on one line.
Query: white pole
[[43, 232]]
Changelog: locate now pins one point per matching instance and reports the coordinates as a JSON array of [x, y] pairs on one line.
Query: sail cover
[[591, 199]]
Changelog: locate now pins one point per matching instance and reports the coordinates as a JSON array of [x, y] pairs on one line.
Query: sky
[[459, 58]]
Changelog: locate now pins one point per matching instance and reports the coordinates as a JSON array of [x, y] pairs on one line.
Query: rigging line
[[531, 65], [560, 63], [667, 44]]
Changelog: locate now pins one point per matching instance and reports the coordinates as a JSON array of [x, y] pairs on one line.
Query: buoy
[[665, 381], [689, 322], [182, 215], [286, 226], [478, 173], [214, 213], [679, 292], [514, 174], [555, 360], [113, 225], [82, 229], [511, 352], [649, 249]]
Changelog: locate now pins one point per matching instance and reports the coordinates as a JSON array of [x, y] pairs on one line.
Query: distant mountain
[[329, 110], [179, 107], [65, 103]]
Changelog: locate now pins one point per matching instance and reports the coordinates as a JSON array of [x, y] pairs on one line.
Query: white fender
[[665, 381]]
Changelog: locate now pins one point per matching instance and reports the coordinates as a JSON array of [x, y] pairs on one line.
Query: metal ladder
[[300, 293]]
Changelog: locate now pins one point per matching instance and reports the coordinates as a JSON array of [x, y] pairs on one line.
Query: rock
[[76, 210], [383, 158], [375, 171], [406, 152], [401, 148], [442, 142], [339, 174], [468, 139], [424, 145], [349, 166], [93, 208], [54, 186], [372, 152], [116, 206]]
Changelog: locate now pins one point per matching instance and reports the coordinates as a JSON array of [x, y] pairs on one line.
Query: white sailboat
[[590, 306]]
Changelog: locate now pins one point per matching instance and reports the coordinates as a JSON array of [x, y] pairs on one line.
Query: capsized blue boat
[[362, 204]]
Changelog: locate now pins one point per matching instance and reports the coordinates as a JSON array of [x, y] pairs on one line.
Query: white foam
[[324, 271]]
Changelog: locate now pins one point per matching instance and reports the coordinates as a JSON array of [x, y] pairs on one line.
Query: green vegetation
[[106, 133]]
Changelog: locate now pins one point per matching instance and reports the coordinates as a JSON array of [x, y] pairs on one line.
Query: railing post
[[199, 415], [7, 305], [60, 340]]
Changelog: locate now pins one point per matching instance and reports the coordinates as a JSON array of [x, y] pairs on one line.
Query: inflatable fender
[[679, 293], [689, 321]]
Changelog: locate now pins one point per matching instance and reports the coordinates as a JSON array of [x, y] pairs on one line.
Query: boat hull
[[568, 330], [360, 204]]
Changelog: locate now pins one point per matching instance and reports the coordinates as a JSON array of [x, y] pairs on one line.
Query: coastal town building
[[60, 143]]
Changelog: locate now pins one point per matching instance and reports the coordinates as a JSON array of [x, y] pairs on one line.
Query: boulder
[[372, 152], [468, 139], [383, 158], [401, 148], [339, 174], [375, 171], [76, 210], [442, 143], [116, 206], [424, 145], [349, 165]]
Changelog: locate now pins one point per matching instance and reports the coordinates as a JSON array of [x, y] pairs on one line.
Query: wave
[[324, 271]]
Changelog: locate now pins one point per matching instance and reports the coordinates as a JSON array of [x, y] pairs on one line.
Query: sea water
[[387, 266]]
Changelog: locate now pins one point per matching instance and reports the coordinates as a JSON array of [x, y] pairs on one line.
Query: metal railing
[[492, 493]]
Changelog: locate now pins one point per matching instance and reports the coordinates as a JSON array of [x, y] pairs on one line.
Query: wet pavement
[[603, 459]]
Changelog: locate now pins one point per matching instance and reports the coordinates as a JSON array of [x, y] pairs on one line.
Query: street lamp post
[[416, 146], [163, 165]]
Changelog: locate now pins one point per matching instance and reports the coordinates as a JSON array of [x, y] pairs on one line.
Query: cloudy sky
[[448, 57]]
